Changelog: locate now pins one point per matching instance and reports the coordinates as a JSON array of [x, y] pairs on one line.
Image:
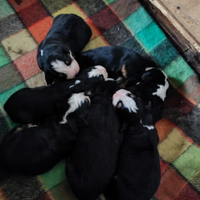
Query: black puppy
[[138, 171], [120, 62], [32, 105], [94, 156], [36, 149], [153, 89], [68, 35]]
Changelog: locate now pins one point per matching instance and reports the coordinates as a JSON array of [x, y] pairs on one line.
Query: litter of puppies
[[98, 111]]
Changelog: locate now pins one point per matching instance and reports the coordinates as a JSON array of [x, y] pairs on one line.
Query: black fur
[[32, 105], [94, 156], [68, 32], [113, 58], [149, 84], [138, 170], [35, 150]]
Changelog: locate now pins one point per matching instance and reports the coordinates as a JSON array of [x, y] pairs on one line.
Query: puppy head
[[132, 74], [129, 108], [77, 107], [57, 62]]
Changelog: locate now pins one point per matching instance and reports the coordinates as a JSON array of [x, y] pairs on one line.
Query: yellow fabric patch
[[19, 44], [173, 146], [69, 10], [36, 81], [95, 43]]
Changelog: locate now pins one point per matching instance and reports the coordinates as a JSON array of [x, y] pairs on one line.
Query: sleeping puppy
[[68, 35], [153, 88], [33, 105], [33, 150], [121, 63], [94, 157], [138, 171]]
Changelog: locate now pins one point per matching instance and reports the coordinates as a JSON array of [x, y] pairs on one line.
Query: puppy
[[67, 36], [138, 169], [121, 63], [33, 150], [32, 105], [153, 88], [94, 157]]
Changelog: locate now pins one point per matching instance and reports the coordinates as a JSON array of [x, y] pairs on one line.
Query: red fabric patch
[[27, 65], [32, 14], [164, 166], [104, 19], [187, 193], [20, 4], [178, 102], [171, 184], [40, 29]]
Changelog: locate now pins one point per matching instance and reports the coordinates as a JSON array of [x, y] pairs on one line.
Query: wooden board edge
[[184, 46]]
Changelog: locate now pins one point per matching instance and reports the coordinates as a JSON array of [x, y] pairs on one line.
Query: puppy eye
[[101, 77], [67, 62], [130, 95], [119, 104]]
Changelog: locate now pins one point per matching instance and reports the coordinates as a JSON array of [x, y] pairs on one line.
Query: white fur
[[41, 52], [128, 102], [149, 68], [75, 101], [99, 70], [70, 70], [109, 79], [76, 82], [161, 91], [119, 79], [150, 127]]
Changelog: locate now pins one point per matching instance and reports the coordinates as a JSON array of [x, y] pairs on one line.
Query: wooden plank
[[180, 32]]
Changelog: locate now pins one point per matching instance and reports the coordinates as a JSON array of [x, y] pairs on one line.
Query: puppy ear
[[49, 78], [123, 127]]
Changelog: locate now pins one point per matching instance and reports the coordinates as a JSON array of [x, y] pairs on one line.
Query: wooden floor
[[180, 19]]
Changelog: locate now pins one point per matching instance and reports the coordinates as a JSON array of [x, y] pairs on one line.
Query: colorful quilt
[[24, 23]]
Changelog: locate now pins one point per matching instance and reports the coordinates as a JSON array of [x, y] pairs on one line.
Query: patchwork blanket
[[24, 23]]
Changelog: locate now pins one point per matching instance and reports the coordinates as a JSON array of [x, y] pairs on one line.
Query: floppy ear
[[49, 78], [123, 127]]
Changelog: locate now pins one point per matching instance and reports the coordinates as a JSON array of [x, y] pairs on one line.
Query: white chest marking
[[97, 71], [76, 82], [41, 52], [128, 102], [161, 91], [75, 101]]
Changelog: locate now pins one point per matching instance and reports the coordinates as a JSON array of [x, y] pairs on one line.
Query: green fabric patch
[[196, 181], [5, 9], [54, 176], [4, 58], [138, 20], [188, 163], [151, 36], [178, 72], [5, 95], [164, 53]]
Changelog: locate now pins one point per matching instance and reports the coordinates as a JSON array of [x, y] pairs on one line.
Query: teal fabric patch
[[5, 9], [54, 176], [164, 53], [151, 36], [188, 163], [110, 1], [138, 20], [178, 72], [4, 58], [5, 95]]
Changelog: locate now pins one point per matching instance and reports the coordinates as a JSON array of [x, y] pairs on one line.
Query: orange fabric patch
[[40, 29]]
